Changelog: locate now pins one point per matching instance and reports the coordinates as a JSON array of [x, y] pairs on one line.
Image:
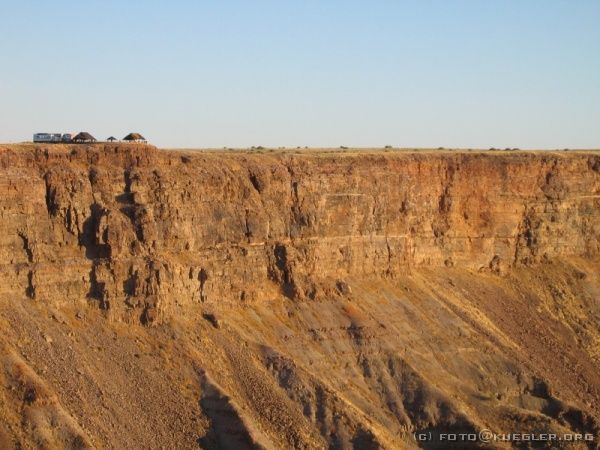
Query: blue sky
[[309, 73]]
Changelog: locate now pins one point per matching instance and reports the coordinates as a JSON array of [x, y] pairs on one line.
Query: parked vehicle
[[47, 137], [79, 138]]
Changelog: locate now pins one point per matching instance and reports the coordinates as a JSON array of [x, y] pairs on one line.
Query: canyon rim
[[298, 299]]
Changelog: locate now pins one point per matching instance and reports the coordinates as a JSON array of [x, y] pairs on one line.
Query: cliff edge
[[141, 230], [317, 299]]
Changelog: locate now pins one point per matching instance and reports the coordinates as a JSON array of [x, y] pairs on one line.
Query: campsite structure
[[134, 137], [82, 137]]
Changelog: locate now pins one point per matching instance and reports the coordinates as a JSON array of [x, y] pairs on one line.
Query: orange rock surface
[[318, 299]]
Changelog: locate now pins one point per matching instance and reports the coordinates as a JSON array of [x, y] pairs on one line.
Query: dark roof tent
[[112, 139], [84, 137], [134, 137]]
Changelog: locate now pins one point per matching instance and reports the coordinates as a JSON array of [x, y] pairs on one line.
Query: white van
[[48, 137]]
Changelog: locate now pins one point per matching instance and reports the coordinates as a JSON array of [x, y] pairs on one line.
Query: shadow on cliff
[[227, 429], [89, 238], [95, 251]]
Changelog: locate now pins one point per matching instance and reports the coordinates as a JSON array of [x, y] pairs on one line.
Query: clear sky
[[523, 73]]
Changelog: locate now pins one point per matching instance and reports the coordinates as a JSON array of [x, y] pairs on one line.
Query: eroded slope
[[296, 300]]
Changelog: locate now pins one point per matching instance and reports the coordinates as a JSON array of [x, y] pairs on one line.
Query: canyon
[[297, 299]]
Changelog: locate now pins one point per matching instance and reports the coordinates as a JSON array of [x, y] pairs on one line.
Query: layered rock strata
[[143, 232]]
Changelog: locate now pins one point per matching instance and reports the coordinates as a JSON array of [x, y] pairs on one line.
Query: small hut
[[134, 137], [112, 139], [84, 137]]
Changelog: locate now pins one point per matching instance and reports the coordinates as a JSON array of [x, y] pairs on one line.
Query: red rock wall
[[143, 232]]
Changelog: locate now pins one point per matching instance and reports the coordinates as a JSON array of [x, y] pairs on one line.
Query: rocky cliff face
[[142, 231], [297, 299]]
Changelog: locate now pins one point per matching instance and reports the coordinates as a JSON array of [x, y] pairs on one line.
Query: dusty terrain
[[170, 299]]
